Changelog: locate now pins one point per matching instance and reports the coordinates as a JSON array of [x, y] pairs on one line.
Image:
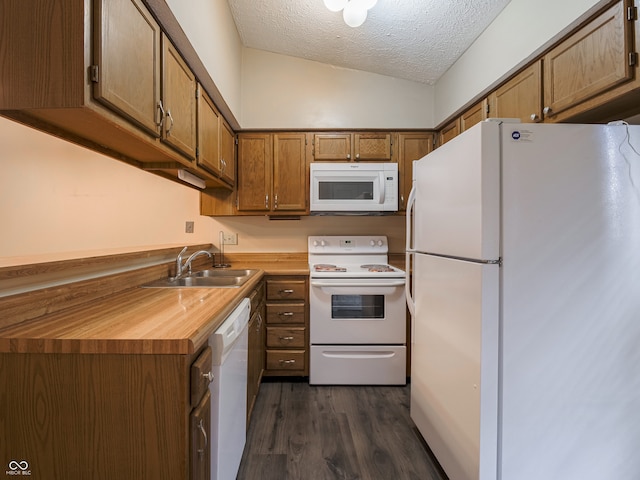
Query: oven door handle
[[396, 282]]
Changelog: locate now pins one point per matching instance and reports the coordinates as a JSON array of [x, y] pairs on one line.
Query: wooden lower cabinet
[[256, 357], [287, 336], [104, 416]]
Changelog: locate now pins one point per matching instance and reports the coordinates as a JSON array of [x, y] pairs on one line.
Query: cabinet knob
[[547, 111], [209, 376], [535, 117], [357, 156], [348, 156]]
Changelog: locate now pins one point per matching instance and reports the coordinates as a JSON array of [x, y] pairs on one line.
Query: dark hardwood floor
[[303, 432]]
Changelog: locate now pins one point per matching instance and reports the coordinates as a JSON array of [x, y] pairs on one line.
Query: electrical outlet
[[188, 227], [230, 238]]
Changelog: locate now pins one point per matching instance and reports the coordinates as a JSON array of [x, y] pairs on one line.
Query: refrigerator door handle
[[411, 305]]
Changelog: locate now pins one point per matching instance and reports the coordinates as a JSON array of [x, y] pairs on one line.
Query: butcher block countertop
[[141, 320]]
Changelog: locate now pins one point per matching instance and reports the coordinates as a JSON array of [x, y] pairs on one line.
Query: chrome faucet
[[187, 264], [180, 267]]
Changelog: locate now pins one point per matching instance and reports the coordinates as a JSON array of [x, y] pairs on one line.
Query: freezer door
[[457, 189], [454, 369]]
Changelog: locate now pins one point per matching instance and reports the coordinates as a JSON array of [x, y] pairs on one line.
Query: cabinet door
[[227, 153], [372, 146], [129, 84], [200, 421], [254, 172], [289, 172], [208, 133], [520, 97], [411, 146], [179, 101], [474, 115], [450, 131], [331, 146], [594, 59]]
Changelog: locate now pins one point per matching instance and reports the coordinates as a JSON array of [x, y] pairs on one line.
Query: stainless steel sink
[[207, 279]]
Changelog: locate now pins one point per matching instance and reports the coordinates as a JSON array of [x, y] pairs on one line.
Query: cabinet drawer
[[286, 289], [201, 375], [286, 313], [285, 337], [285, 359]]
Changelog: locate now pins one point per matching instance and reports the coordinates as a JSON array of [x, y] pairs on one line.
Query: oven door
[[352, 311]]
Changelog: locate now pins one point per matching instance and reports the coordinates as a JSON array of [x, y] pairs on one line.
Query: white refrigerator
[[524, 246]]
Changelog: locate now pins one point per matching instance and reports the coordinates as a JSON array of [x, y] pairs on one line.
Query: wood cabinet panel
[[332, 146], [208, 133], [286, 289], [473, 115], [290, 190], [255, 160], [286, 360], [411, 146], [520, 97], [178, 101], [449, 131], [286, 313], [372, 146], [97, 416], [200, 425], [589, 62], [130, 84], [227, 153], [286, 337]]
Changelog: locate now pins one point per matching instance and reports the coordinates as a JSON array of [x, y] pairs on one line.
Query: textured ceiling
[[415, 40]]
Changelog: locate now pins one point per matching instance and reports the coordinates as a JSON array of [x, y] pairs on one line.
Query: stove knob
[[372, 243], [380, 243]]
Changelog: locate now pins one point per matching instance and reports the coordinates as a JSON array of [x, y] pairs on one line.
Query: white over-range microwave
[[354, 187]]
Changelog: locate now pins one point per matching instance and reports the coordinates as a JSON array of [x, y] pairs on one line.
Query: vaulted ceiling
[[416, 40]]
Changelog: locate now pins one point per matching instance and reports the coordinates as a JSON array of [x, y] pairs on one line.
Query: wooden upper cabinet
[[594, 59], [473, 115], [332, 146], [227, 153], [520, 97], [208, 133], [129, 84], [372, 147], [411, 146], [347, 147], [178, 101], [255, 160], [289, 172], [449, 131]]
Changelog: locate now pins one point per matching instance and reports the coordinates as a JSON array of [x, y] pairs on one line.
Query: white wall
[[60, 201], [279, 91], [522, 28]]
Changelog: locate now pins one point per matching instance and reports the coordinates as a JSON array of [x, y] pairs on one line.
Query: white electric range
[[357, 312]]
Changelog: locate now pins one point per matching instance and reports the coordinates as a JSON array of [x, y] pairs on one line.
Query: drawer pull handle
[[288, 291], [288, 339], [204, 434], [209, 376], [286, 314], [287, 362]]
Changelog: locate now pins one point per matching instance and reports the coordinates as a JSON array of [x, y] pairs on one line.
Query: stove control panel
[[343, 244]]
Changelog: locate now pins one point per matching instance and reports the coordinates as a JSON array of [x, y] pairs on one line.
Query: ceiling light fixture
[[354, 12]]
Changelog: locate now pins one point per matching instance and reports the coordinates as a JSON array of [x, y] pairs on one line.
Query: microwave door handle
[[382, 184]]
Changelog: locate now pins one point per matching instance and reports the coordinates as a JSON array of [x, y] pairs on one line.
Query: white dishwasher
[[229, 344]]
